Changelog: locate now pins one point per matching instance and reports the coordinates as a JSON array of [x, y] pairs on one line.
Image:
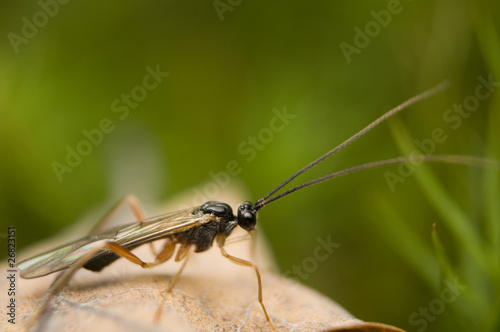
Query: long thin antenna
[[451, 159], [432, 91]]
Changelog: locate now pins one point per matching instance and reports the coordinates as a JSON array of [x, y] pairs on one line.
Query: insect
[[196, 229]]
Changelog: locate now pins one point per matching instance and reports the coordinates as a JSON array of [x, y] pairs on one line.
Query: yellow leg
[[220, 242], [135, 206], [64, 277], [187, 252]]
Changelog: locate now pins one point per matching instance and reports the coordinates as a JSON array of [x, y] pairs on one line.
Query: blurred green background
[[229, 67]]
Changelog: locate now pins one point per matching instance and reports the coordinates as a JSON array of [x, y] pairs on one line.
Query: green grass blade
[[455, 219]]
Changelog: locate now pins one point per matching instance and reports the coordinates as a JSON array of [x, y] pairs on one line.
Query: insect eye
[[246, 216]]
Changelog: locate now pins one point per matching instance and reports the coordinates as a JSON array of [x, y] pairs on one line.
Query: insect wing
[[158, 228], [129, 236], [57, 259]]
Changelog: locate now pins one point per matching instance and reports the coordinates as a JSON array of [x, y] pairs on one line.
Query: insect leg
[[65, 276], [221, 238], [166, 252], [129, 200], [185, 251], [164, 255], [133, 203], [253, 245], [239, 239], [182, 252], [62, 279]]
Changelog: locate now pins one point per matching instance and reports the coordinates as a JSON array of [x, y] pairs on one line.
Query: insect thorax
[[221, 221]]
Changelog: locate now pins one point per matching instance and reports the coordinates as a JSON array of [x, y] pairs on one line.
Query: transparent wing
[[132, 235], [55, 260]]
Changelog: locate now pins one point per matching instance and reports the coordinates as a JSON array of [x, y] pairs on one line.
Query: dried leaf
[[213, 294]]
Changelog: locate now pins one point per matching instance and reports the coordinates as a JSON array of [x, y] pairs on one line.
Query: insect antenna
[[451, 159], [466, 160]]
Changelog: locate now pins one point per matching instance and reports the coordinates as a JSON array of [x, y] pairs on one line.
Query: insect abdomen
[[99, 263]]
